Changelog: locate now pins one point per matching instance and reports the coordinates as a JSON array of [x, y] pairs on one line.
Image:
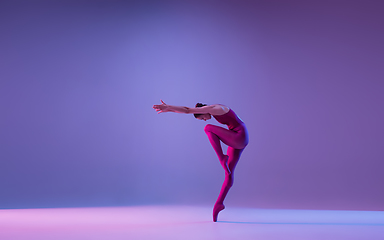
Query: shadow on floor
[[357, 224]]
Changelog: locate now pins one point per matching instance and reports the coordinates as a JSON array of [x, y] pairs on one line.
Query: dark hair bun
[[200, 105]]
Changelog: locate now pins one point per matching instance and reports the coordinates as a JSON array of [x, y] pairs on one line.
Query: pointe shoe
[[216, 209]]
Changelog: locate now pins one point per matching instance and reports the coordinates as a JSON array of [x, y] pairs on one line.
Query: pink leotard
[[239, 131], [230, 119]]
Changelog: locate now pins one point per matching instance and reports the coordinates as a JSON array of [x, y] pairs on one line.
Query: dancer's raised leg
[[215, 142], [231, 138]]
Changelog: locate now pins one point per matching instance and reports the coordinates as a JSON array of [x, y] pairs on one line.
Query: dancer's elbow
[[186, 110]]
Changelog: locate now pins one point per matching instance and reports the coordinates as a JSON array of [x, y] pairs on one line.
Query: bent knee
[[208, 127]]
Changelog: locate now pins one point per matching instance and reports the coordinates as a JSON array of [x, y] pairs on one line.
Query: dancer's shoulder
[[221, 109]]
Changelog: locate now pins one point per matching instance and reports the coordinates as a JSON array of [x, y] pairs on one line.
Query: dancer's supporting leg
[[234, 156]]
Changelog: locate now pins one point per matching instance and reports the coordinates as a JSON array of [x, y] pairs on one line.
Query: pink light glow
[[185, 222]]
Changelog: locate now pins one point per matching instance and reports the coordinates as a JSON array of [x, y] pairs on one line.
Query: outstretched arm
[[211, 109], [169, 108]]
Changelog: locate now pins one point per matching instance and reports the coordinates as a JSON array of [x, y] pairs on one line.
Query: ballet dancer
[[235, 137]]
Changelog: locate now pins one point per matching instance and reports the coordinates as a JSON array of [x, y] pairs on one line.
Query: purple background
[[78, 81]]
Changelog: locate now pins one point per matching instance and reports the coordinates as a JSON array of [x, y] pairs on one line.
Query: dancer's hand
[[161, 108]]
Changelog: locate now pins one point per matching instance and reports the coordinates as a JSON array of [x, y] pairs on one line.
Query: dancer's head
[[205, 116]]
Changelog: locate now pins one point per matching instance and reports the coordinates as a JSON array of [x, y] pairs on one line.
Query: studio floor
[[188, 222]]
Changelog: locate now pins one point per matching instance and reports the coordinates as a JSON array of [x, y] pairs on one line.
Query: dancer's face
[[204, 117]]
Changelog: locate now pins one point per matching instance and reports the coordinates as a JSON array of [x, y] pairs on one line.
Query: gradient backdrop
[[78, 80]]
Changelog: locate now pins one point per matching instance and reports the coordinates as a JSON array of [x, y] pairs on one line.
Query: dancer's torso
[[230, 119]]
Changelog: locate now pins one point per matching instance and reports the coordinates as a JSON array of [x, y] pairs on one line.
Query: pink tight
[[236, 140]]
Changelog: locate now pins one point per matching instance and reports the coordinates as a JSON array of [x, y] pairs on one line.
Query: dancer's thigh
[[228, 137]]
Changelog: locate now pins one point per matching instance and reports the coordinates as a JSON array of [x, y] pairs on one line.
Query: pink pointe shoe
[[216, 209]]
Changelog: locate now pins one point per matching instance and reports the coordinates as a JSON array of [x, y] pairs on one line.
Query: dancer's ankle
[[219, 204]]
